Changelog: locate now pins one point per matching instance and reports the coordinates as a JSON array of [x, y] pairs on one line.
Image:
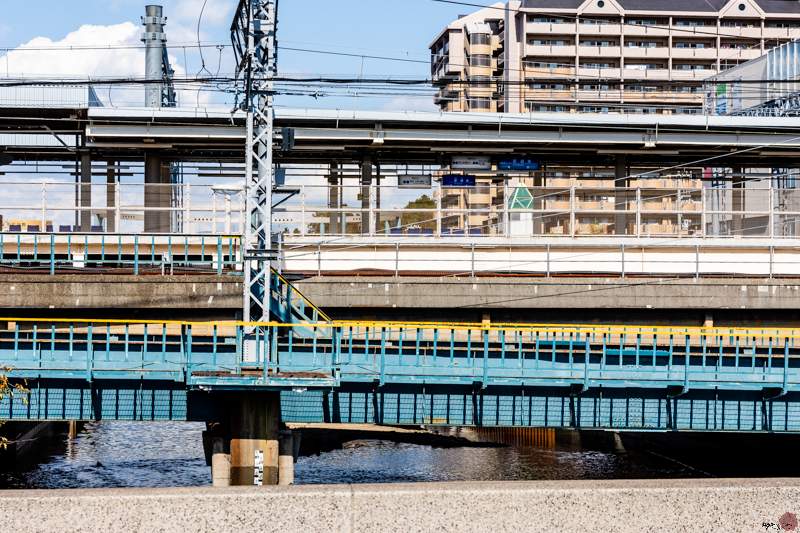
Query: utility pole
[[253, 34]]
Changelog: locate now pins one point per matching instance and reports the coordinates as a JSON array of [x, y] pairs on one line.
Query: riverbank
[[620, 506]]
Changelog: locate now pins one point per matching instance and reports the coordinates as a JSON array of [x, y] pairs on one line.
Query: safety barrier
[[137, 253], [211, 354]]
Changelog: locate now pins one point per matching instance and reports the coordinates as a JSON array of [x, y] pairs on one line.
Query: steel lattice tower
[[253, 34]]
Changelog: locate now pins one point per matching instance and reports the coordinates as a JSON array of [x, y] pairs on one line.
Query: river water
[[135, 454]]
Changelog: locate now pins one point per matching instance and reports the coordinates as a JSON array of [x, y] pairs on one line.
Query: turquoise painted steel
[[75, 251]]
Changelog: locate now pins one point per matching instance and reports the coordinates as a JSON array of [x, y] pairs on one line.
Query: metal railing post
[[572, 217], [703, 216], [117, 208], [697, 261], [472, 260], [439, 210], [506, 215], [44, 207], [187, 208], [303, 210], [771, 211], [52, 254], [638, 211], [771, 262], [547, 259]]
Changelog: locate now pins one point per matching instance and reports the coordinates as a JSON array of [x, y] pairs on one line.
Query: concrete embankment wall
[[697, 505]]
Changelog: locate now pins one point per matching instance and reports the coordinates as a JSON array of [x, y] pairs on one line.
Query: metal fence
[[521, 211]]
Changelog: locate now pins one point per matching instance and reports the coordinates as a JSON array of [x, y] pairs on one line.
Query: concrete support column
[[111, 197], [85, 215], [286, 458], [254, 429], [157, 195], [737, 201], [220, 462], [335, 199], [621, 182], [366, 190]]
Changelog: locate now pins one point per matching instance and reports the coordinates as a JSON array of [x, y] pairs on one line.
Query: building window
[[544, 19], [479, 103], [480, 60], [597, 65], [642, 44], [601, 44], [547, 86], [690, 45], [480, 38], [545, 64], [546, 42], [480, 81], [536, 107]]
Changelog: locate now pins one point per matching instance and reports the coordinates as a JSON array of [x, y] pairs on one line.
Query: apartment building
[[644, 56]]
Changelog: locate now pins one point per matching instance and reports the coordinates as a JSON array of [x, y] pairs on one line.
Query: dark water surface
[[135, 454]]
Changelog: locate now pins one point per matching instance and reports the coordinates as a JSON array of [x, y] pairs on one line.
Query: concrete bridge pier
[[244, 450]]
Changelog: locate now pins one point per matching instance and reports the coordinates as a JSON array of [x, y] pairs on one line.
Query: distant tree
[[421, 219], [9, 389]]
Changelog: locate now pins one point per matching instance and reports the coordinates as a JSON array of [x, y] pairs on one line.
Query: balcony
[[753, 32], [700, 31], [697, 74], [646, 31], [590, 72], [645, 73], [550, 28], [743, 54], [545, 96], [538, 50], [599, 51], [539, 72], [658, 52], [697, 53], [781, 33], [662, 97], [600, 29]]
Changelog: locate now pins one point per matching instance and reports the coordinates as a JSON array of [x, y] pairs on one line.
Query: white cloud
[[187, 12], [95, 52]]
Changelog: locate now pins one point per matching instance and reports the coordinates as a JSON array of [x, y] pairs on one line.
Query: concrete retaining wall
[[698, 505], [551, 293], [96, 291]]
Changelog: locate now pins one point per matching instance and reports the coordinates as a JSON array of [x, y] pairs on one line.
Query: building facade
[[601, 55]]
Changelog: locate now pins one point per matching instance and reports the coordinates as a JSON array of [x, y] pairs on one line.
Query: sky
[[399, 29]]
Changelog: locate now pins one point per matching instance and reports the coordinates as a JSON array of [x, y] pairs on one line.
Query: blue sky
[[395, 28]]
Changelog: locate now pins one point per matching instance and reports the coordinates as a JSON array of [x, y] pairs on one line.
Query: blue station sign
[[518, 164]]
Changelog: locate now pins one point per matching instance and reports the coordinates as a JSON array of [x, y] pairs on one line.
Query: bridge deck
[[652, 378]]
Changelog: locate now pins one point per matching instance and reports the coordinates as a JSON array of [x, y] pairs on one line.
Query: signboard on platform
[[522, 164], [471, 162], [458, 180], [414, 181]]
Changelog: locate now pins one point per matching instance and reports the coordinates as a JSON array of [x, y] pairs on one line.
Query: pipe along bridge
[[533, 375]]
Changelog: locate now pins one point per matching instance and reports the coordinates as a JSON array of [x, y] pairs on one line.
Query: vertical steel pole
[[154, 39], [261, 55]]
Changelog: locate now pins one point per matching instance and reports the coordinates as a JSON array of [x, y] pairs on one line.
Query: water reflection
[[121, 454]]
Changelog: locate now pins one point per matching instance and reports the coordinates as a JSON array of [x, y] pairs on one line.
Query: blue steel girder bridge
[[620, 377]]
